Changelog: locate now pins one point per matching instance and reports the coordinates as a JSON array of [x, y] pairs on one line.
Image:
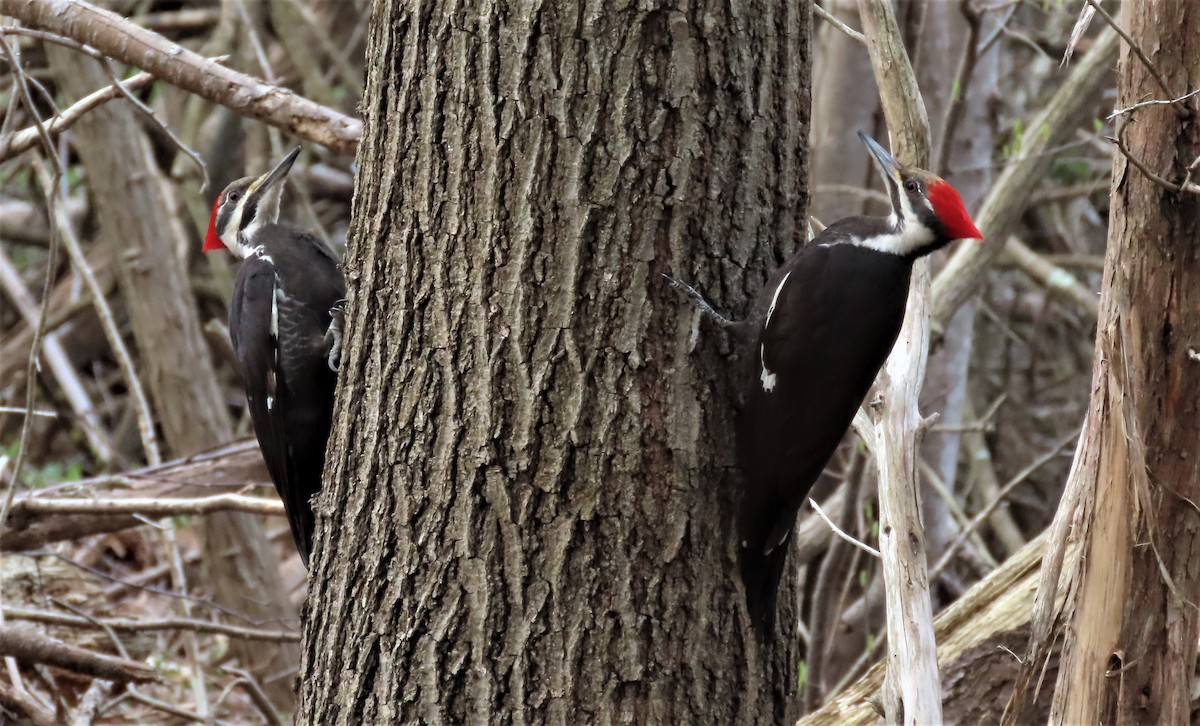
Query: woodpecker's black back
[[279, 320], [826, 321]]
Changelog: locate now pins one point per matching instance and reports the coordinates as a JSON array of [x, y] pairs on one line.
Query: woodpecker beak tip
[[887, 163]]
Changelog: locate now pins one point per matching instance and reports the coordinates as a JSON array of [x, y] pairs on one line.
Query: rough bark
[[133, 206], [533, 472], [1130, 650]]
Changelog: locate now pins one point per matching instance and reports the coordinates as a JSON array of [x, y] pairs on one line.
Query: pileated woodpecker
[[284, 321], [822, 328]]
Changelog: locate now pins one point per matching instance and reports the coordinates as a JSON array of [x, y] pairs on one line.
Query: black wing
[[836, 312], [268, 392]]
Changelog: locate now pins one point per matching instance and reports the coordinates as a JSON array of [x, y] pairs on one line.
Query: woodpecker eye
[[912, 185], [233, 196]]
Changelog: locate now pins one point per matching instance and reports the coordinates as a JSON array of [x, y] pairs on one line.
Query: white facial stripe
[[908, 240]]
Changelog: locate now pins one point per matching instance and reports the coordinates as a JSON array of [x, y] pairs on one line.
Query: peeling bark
[[1130, 650], [529, 496]]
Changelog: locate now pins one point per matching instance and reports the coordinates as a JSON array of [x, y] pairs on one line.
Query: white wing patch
[[768, 377], [275, 295]]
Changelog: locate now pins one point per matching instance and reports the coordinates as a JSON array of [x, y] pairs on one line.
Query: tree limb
[[29, 646], [912, 691], [125, 41]]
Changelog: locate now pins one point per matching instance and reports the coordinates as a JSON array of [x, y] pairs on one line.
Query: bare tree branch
[[28, 646], [125, 41], [913, 689]]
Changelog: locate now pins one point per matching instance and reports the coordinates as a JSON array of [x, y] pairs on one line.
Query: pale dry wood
[[1055, 279], [993, 610], [152, 507], [912, 693], [25, 139]]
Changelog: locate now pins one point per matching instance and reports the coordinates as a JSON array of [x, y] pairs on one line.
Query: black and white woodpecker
[[284, 321], [822, 328]]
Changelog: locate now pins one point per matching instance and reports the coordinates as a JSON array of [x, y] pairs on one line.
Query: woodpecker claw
[[698, 300], [333, 336]]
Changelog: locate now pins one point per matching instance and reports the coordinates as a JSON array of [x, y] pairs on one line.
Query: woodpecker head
[[927, 213], [244, 207]]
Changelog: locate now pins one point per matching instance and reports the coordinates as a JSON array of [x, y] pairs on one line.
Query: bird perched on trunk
[[825, 323], [816, 338], [285, 325]]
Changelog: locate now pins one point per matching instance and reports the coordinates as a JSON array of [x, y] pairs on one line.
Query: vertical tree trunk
[[134, 209], [1130, 651], [529, 505]]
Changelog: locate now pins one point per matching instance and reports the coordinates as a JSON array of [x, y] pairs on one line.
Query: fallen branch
[[228, 469], [153, 507], [993, 613], [30, 647], [134, 625]]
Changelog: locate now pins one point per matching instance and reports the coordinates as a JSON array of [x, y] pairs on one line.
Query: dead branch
[[994, 610], [153, 507], [125, 41], [912, 692], [136, 625], [230, 468], [1054, 278], [21, 702], [26, 139], [29, 647]]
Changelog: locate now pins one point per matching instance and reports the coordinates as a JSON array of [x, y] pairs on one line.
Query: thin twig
[[1152, 102], [26, 139], [255, 691], [838, 530], [118, 86], [135, 625], [991, 507], [108, 323], [832, 19], [1120, 144], [1137, 50]]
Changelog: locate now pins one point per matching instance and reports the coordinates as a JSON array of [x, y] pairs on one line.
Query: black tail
[[761, 574]]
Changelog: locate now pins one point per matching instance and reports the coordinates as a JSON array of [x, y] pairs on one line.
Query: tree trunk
[[533, 472], [1130, 651], [134, 209]]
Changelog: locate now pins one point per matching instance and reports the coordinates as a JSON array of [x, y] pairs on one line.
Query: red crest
[[212, 241], [948, 206]]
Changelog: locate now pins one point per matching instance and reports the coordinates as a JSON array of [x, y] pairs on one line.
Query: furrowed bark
[[528, 515]]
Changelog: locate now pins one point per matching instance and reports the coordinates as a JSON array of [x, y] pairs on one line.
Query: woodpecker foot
[[333, 336], [698, 300]]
